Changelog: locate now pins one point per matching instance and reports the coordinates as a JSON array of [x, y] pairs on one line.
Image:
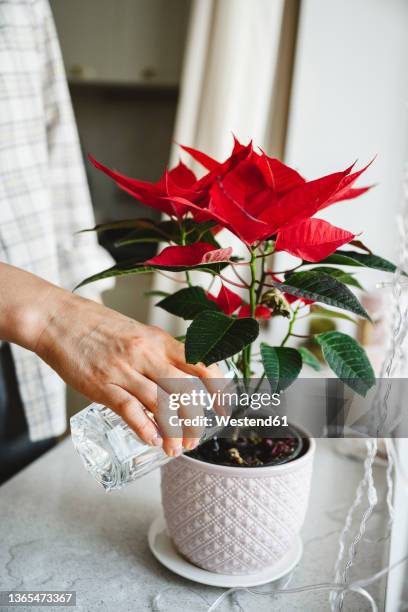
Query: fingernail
[[190, 444], [176, 451], [157, 440]]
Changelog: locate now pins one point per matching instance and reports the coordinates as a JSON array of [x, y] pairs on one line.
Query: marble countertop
[[60, 530]]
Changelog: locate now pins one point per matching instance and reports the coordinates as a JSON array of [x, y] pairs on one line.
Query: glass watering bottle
[[112, 452]]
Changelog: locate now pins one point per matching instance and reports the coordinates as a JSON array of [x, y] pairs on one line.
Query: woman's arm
[[108, 357]]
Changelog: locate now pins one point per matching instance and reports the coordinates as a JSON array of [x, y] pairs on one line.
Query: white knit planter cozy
[[232, 520]]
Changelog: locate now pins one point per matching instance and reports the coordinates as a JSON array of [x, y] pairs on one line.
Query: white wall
[[350, 99]]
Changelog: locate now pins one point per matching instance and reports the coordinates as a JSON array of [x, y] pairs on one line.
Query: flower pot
[[234, 520]]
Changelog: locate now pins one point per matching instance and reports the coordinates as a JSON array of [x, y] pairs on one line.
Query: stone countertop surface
[[60, 530]]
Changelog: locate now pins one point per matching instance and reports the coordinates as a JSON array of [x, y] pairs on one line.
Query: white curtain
[[236, 79]]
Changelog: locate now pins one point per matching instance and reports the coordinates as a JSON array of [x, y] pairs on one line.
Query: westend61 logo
[[222, 404]]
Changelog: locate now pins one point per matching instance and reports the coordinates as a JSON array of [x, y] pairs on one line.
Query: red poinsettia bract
[[198, 254], [255, 196], [229, 302]]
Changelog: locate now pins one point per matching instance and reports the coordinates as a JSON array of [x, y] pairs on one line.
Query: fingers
[[157, 401], [132, 412], [155, 371], [182, 389], [144, 389], [172, 432], [211, 376]]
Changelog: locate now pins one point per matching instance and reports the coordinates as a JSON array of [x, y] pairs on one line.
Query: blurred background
[[123, 61], [317, 84]]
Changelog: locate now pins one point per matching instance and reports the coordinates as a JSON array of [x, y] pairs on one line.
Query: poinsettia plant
[[269, 207]]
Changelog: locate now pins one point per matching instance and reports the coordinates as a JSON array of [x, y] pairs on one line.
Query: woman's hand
[[109, 358]]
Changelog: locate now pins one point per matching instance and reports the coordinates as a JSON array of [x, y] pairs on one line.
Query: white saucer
[[163, 549]]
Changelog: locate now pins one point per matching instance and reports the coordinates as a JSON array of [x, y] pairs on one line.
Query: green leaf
[[353, 258], [121, 269], [282, 365], [132, 267], [122, 224], [309, 359], [187, 303], [322, 287], [205, 267], [200, 233], [341, 275], [336, 258], [319, 311], [145, 240], [156, 293], [214, 336], [149, 231], [348, 360], [360, 245]]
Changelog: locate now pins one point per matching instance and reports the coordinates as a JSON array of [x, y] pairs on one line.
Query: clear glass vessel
[[115, 456], [111, 451]]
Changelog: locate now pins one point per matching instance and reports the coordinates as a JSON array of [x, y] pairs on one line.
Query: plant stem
[[252, 293], [268, 251], [290, 328], [287, 271], [260, 381], [246, 353], [261, 280], [212, 281], [183, 242], [239, 276], [231, 282], [301, 335]]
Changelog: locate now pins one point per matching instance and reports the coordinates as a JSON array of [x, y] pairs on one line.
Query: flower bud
[[276, 301]]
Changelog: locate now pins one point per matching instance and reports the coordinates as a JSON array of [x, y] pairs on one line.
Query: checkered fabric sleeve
[[44, 198]]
